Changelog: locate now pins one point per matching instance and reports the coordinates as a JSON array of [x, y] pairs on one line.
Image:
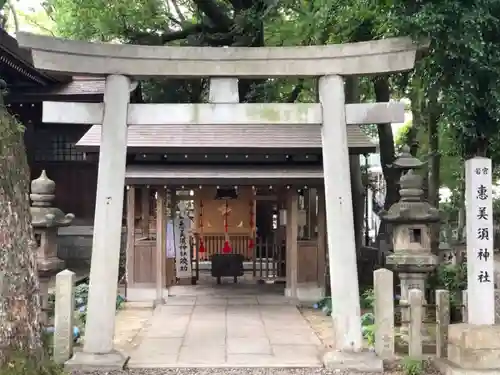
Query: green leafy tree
[[453, 89], [450, 176], [462, 66]]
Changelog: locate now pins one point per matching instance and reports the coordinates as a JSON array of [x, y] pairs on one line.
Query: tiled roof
[[305, 136], [16, 59], [81, 87], [78, 86]]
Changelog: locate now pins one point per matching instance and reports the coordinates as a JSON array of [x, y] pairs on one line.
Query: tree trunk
[[461, 211], [433, 168], [357, 188], [434, 154], [20, 311], [387, 156], [386, 146], [358, 201]]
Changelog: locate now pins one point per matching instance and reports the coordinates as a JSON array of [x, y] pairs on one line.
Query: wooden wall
[[213, 209], [52, 147], [76, 186]]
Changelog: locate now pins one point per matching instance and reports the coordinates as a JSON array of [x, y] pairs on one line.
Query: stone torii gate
[[122, 63]]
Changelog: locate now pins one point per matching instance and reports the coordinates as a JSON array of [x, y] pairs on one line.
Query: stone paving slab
[[227, 330], [129, 323]]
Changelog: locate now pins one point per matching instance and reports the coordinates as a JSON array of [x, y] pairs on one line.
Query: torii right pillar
[[348, 341]]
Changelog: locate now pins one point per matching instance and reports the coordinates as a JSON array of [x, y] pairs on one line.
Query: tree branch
[[149, 38], [216, 13], [294, 94], [237, 4], [174, 20], [218, 40], [14, 15], [178, 11]]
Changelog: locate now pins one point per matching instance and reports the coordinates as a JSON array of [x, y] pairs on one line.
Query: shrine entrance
[[185, 234]]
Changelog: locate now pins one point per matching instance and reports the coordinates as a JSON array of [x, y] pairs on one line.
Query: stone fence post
[[442, 322], [384, 313], [416, 298], [465, 316], [64, 316]]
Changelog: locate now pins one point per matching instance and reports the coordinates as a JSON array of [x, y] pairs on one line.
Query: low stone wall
[[75, 245]]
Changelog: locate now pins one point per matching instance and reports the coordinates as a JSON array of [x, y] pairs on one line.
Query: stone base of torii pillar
[[364, 361], [93, 361]]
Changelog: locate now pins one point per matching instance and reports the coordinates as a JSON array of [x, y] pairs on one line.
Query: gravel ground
[[390, 369], [322, 326], [224, 371]]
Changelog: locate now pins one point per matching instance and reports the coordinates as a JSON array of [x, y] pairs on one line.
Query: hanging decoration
[[183, 245], [227, 246], [251, 243], [182, 228], [202, 243]]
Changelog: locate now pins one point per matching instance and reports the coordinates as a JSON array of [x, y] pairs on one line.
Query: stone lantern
[[446, 254], [411, 219], [46, 220]]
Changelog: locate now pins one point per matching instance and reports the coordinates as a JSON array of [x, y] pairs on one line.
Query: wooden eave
[[243, 175], [19, 60]]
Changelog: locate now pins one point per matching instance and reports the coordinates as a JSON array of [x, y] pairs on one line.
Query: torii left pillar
[[98, 348]]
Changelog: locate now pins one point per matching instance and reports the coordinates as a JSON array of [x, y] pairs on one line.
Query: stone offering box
[[227, 265]]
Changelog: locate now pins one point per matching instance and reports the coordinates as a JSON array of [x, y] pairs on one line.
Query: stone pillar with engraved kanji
[[479, 225], [474, 346]]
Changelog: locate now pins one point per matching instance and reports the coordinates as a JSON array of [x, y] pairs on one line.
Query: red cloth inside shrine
[[202, 244], [227, 246], [251, 243]]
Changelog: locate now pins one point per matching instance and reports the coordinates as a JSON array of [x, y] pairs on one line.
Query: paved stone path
[[227, 328]]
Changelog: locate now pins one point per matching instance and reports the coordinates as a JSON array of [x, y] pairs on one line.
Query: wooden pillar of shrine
[[130, 235], [321, 222], [161, 244], [292, 215], [312, 213], [170, 273], [280, 233], [145, 210]]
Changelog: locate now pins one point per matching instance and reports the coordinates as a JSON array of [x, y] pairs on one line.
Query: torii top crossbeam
[[101, 59]]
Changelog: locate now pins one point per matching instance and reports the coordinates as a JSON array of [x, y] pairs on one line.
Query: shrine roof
[[77, 86], [26, 83], [163, 138], [16, 66], [241, 174]]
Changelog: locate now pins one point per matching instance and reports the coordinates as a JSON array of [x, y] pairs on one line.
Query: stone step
[[138, 305]]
